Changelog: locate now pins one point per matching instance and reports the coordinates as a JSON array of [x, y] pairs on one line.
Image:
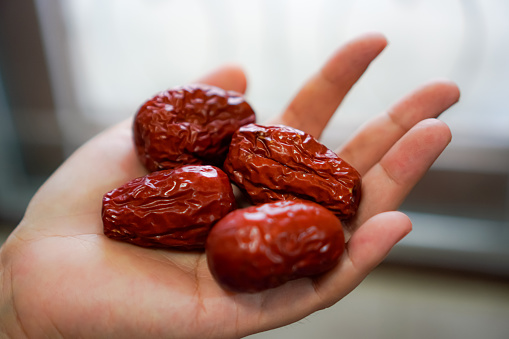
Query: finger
[[375, 138], [386, 184], [320, 97], [367, 248], [229, 77]]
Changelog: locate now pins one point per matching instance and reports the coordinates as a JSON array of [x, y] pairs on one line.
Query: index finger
[[320, 97]]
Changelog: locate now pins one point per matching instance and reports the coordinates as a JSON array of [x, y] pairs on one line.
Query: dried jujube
[[188, 125], [301, 190], [282, 163], [169, 208], [261, 247]]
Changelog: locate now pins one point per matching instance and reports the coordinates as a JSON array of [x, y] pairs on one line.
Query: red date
[[188, 125], [170, 208], [282, 163], [264, 246]]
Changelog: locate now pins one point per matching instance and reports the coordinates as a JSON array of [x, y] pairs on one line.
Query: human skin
[[61, 277]]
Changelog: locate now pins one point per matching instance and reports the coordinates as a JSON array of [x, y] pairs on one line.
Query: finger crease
[[389, 174], [316, 288], [396, 122], [334, 81]]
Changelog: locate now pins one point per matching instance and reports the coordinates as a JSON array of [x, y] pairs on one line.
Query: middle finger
[[375, 138]]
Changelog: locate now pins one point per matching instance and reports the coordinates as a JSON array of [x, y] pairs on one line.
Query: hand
[[62, 277]]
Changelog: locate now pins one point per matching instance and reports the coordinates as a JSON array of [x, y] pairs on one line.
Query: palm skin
[[61, 277]]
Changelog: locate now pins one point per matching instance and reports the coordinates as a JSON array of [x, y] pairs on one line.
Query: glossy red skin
[[262, 247], [168, 209], [188, 125], [282, 163]]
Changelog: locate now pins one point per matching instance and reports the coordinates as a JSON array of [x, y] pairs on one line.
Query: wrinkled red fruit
[[282, 163], [188, 125], [171, 208], [264, 246]]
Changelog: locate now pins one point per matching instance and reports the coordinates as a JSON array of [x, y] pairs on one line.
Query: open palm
[[62, 277]]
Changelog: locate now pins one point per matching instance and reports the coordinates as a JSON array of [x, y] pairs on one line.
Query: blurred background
[[71, 68]]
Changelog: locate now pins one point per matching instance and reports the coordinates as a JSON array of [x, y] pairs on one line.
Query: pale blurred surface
[[121, 52]]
